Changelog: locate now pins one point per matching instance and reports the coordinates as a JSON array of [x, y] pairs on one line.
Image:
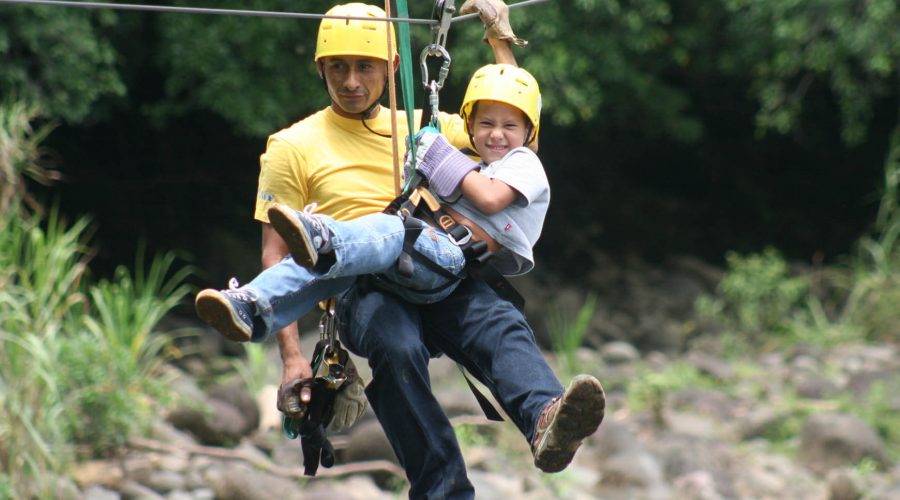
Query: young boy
[[502, 201]]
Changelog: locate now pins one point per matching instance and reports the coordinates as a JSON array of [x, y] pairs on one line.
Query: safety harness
[[416, 203]]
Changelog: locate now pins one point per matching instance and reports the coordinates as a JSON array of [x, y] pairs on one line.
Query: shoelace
[[235, 291], [324, 233], [544, 420]]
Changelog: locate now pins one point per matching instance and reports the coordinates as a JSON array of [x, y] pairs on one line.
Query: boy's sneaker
[[566, 421], [228, 311], [305, 234]]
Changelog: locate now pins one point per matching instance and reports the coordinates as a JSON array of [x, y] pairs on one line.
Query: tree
[[58, 59]]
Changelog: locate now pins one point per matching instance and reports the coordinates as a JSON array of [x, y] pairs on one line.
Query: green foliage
[[874, 277], [67, 378], [61, 59], [787, 46], [110, 365], [257, 73], [756, 297], [638, 65], [649, 389], [255, 370], [20, 157], [567, 336]]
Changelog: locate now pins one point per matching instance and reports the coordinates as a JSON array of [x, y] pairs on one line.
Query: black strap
[[489, 411]]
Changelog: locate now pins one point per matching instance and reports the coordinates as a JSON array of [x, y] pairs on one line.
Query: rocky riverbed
[[681, 423]]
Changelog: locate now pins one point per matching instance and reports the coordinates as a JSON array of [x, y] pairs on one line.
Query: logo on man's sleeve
[[265, 196]]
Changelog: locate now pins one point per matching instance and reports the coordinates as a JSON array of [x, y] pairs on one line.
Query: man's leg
[[491, 338], [386, 331]]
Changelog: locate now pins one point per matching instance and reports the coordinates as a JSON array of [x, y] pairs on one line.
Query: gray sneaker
[[566, 421], [228, 311], [303, 232]]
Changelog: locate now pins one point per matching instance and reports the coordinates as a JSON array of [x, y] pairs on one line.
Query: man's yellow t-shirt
[[337, 163]]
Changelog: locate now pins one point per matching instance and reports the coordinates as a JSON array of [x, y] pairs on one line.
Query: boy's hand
[[495, 16], [442, 164]]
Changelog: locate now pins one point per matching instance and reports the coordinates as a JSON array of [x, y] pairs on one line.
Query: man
[[340, 159]]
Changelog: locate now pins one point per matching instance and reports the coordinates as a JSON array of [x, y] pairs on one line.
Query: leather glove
[[289, 397], [350, 401], [443, 165], [495, 16]]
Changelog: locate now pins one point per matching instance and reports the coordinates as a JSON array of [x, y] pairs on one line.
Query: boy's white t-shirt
[[517, 227]]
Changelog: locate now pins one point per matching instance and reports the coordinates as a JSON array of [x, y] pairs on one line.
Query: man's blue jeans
[[369, 244], [473, 326]]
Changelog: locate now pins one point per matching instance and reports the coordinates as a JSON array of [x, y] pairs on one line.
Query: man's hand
[[495, 16], [350, 401], [296, 387]]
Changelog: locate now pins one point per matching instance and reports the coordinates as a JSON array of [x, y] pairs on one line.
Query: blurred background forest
[[690, 127], [755, 143]]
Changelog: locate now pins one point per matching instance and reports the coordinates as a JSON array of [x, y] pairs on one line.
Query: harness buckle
[[457, 240]]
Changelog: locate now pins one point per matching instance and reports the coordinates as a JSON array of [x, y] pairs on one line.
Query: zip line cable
[[234, 12], [466, 17]]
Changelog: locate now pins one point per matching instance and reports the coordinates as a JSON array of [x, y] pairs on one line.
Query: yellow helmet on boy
[[507, 84]]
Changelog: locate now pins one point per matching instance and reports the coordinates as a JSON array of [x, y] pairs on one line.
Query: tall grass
[[77, 359], [21, 155], [567, 335]]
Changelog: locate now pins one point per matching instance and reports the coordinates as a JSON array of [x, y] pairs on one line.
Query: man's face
[[354, 82], [497, 129]]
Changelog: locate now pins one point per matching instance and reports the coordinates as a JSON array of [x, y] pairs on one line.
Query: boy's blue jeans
[[473, 326], [367, 245]]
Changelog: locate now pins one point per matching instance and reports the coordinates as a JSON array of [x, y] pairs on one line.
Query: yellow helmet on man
[[355, 37], [507, 84]]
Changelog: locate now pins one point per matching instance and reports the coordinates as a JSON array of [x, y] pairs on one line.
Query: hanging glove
[[443, 165], [350, 401], [495, 16]]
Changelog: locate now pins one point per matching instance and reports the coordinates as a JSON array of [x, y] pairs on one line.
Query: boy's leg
[[275, 298], [386, 331], [372, 244], [491, 338]]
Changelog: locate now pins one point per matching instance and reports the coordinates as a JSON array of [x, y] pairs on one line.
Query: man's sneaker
[[566, 421], [228, 311], [305, 234]]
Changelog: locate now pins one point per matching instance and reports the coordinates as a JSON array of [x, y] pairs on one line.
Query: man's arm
[[294, 363], [503, 53]]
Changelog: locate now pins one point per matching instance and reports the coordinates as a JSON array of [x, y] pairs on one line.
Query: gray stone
[[830, 440], [696, 485], [220, 424], [165, 481], [239, 481], [98, 492], [639, 469], [843, 486], [242, 400], [133, 490], [619, 352]]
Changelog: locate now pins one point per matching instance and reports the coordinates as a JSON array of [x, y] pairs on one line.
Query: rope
[[392, 97]]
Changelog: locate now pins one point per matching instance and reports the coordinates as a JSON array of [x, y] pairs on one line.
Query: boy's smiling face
[[497, 128]]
